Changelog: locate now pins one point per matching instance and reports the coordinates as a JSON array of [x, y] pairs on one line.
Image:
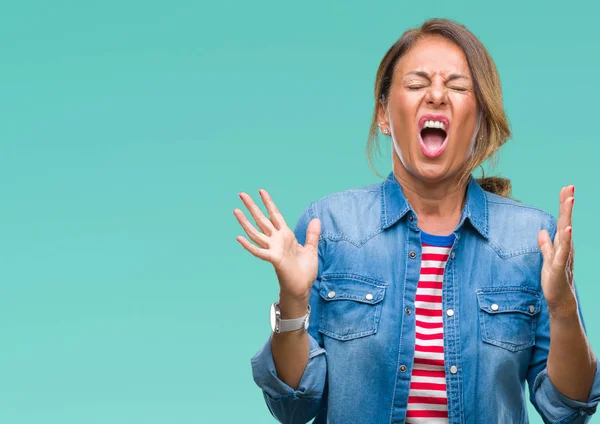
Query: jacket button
[[408, 311], [369, 296], [331, 294], [450, 312], [452, 255], [412, 254], [494, 307], [402, 368], [531, 308], [411, 218], [453, 369]]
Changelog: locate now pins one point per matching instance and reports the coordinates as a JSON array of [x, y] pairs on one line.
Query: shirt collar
[[395, 206]]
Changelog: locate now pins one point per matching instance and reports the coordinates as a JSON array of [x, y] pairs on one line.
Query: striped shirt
[[427, 399]]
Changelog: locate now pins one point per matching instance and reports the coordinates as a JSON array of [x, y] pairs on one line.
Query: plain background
[[128, 130]]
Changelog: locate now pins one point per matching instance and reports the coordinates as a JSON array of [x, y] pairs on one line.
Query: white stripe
[[428, 420], [429, 305], [433, 264], [429, 355], [434, 380], [426, 407], [437, 342], [422, 334], [428, 393], [429, 292], [424, 367], [426, 318], [431, 278], [430, 330], [434, 356], [436, 249]]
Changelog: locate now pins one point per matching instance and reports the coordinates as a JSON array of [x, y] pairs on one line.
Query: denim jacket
[[362, 347]]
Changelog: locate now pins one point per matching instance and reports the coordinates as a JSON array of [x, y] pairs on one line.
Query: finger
[[564, 193], [255, 250], [563, 250], [256, 236], [313, 232], [565, 220], [261, 220], [274, 214], [565, 198], [545, 245], [561, 217], [568, 211], [568, 191]]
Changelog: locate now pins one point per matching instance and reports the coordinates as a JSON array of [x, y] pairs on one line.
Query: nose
[[437, 95]]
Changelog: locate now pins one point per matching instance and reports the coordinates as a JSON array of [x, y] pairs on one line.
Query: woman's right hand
[[296, 266]]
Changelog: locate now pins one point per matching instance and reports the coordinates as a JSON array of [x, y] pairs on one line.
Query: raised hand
[[557, 270], [296, 266]]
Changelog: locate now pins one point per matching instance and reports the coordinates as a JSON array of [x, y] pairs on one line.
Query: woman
[[432, 296]]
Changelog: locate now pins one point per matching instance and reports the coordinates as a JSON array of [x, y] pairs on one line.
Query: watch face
[[273, 317]]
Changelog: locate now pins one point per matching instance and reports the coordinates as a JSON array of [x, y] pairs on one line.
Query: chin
[[432, 173]]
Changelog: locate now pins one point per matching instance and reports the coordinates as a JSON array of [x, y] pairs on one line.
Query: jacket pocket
[[351, 306], [507, 316]]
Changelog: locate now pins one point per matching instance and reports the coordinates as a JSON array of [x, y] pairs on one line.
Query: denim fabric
[[358, 342]]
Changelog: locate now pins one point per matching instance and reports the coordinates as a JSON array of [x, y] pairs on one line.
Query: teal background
[[128, 130]]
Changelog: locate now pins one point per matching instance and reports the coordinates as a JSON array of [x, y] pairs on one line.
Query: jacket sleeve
[[303, 404], [552, 405]]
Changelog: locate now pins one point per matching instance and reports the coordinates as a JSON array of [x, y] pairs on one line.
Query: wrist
[[292, 307], [564, 311]]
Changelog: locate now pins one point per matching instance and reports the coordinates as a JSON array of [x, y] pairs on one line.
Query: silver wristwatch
[[279, 325]]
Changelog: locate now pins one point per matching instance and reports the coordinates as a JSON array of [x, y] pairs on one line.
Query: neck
[[438, 205]]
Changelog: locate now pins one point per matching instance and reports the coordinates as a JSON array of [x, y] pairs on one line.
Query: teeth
[[435, 124]]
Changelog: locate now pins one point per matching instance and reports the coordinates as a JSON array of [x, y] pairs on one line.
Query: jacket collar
[[394, 205]]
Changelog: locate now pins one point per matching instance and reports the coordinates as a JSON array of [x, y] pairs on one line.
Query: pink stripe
[[426, 414], [429, 324], [437, 285], [432, 271], [434, 257], [429, 298], [438, 336], [427, 386], [423, 361], [429, 349], [429, 373], [429, 312]]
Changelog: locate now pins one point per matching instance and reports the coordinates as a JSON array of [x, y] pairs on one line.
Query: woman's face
[[431, 110]]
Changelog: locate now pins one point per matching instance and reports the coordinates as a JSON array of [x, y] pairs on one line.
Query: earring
[[386, 131]]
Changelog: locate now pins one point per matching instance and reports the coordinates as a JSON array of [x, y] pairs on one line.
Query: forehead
[[434, 54]]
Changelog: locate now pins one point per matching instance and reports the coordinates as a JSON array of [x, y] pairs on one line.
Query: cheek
[[406, 107], [465, 114]]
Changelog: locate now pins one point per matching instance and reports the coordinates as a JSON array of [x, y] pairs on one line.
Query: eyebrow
[[426, 75]]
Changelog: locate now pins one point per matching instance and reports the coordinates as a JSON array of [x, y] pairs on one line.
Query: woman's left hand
[[557, 270]]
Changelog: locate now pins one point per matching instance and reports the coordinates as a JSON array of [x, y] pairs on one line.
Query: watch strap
[[284, 325], [291, 324]]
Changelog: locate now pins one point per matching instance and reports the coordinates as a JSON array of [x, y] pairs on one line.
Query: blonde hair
[[494, 130]]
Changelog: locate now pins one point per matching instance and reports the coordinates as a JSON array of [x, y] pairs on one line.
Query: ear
[[382, 115]]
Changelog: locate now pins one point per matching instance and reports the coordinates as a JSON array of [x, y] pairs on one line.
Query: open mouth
[[433, 136]]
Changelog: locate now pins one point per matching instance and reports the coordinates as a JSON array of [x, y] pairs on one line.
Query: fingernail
[[570, 229], [573, 189], [572, 200]]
